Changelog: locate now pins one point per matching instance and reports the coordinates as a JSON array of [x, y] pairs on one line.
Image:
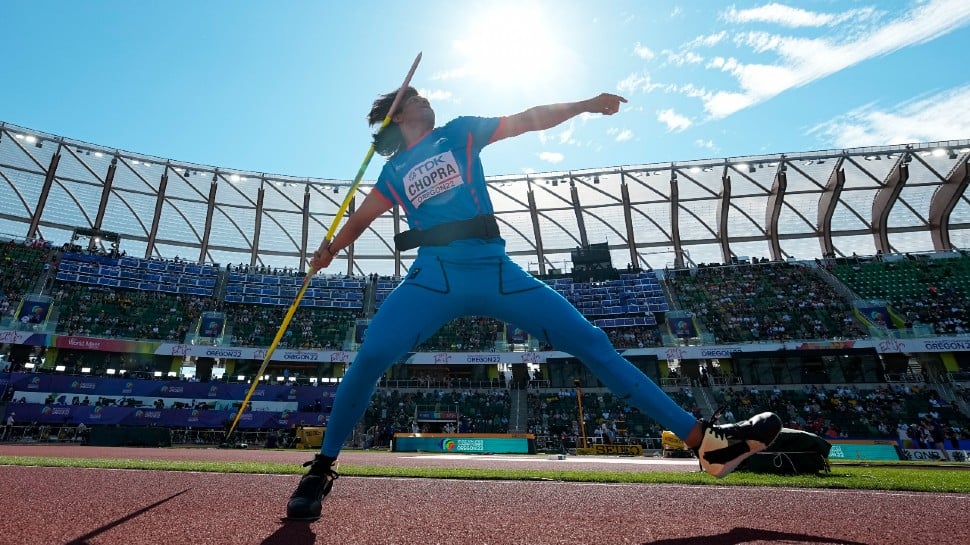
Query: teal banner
[[856, 451], [462, 445]]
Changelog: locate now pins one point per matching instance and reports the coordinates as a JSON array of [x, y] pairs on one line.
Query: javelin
[[330, 233]]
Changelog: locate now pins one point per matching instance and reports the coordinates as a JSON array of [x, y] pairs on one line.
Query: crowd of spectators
[[634, 337], [310, 328], [21, 265], [465, 334], [554, 416], [264, 269], [850, 411], [737, 303], [764, 302], [919, 290], [395, 411], [88, 310]]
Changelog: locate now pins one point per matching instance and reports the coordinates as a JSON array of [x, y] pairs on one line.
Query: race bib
[[431, 178]]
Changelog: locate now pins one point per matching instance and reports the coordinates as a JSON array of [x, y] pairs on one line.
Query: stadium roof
[[904, 198]]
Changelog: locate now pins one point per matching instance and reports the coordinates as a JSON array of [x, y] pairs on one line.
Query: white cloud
[[706, 144], [637, 82], [436, 94], [944, 116], [551, 157], [620, 135], [707, 41], [682, 58], [691, 90], [723, 103], [673, 120], [792, 17], [643, 52], [566, 135], [446, 75], [725, 65], [803, 60]]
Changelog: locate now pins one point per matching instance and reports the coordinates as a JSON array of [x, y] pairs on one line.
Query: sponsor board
[[614, 450], [933, 455], [863, 451]]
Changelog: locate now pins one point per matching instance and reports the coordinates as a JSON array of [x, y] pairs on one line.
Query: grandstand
[[830, 286]]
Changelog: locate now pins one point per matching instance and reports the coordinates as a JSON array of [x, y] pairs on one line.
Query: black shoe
[[306, 503], [723, 447]]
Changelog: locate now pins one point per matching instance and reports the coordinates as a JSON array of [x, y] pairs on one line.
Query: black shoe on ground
[[725, 446], [306, 503]]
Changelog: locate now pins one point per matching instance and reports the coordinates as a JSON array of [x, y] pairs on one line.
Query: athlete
[[435, 175]]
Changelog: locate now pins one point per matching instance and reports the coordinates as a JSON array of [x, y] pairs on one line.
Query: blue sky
[[284, 87]]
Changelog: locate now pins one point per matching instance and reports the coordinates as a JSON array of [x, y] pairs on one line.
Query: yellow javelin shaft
[[330, 233]]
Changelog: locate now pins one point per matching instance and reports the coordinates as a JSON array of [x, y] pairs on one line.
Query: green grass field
[[903, 476]]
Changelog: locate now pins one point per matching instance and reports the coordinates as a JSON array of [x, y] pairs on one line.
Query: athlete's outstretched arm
[[548, 116], [373, 206]]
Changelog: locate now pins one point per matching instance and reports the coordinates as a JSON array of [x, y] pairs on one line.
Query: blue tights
[[440, 288]]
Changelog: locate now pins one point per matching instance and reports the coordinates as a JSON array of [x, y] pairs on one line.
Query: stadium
[[830, 286], [734, 314], [140, 294]]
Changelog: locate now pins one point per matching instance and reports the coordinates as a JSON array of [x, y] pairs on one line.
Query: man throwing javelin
[[435, 175]]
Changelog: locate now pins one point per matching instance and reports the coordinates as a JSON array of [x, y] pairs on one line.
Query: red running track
[[122, 507]]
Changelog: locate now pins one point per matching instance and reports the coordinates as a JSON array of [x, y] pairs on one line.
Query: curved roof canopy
[[904, 198]]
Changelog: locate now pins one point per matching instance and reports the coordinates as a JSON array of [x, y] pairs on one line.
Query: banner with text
[[176, 418], [68, 386]]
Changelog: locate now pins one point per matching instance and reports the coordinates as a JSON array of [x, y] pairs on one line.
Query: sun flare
[[511, 47]]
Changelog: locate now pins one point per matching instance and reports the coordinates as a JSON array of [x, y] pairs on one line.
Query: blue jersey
[[440, 178]]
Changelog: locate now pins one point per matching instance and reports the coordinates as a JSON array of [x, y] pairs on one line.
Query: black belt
[[483, 226]]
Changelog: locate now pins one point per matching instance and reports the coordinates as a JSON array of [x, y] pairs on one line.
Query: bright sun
[[511, 46]]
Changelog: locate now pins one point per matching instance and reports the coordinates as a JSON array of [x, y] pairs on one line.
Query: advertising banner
[[682, 326], [877, 316], [211, 324], [103, 345], [464, 443], [34, 309], [722, 351], [863, 451], [515, 335], [65, 387], [933, 455], [172, 418]]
